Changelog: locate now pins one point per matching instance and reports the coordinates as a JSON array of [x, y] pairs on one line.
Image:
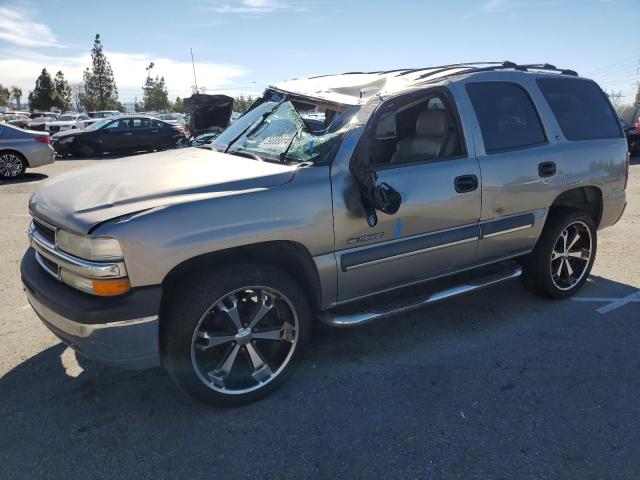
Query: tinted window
[[506, 114], [119, 124], [581, 108]]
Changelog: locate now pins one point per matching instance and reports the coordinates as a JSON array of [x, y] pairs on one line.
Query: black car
[[131, 132], [633, 137]]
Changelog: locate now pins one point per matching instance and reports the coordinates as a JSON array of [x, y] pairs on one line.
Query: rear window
[[581, 108], [507, 117]]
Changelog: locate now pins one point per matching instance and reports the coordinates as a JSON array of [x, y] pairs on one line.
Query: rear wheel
[[12, 165], [234, 336], [562, 260]]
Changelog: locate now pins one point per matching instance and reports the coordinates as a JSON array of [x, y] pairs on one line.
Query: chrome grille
[[46, 231]]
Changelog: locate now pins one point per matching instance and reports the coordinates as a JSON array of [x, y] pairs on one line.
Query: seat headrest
[[432, 123]]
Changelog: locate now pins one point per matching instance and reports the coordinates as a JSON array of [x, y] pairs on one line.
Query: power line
[[606, 67]]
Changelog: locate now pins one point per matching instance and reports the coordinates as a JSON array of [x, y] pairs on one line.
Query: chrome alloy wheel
[[11, 165], [571, 255], [244, 340]]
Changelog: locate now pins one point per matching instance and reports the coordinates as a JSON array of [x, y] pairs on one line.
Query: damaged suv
[[344, 198]]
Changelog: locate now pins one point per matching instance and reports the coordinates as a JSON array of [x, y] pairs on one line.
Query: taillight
[[46, 139], [180, 130]]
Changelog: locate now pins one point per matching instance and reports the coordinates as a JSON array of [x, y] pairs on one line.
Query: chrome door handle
[[127, 134]]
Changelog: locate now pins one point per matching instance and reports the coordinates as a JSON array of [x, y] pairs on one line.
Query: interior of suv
[[419, 131]]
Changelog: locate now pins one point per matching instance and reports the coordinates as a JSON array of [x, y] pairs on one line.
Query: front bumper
[[121, 331]]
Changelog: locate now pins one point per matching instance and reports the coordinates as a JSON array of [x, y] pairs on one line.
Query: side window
[[507, 116], [157, 124], [139, 123], [581, 108], [119, 125], [415, 131]]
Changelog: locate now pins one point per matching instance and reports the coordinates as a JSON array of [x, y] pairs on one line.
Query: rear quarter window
[[507, 117], [581, 108]]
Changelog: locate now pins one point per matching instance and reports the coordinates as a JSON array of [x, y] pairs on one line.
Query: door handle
[[127, 134], [466, 183], [154, 131], [547, 169]]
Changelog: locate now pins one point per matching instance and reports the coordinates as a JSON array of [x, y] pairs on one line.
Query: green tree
[[242, 104], [44, 96], [100, 91], [636, 103], [178, 105], [4, 95], [155, 95], [64, 91], [16, 94]]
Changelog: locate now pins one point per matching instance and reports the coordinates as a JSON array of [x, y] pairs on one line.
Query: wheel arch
[[290, 256], [587, 199]]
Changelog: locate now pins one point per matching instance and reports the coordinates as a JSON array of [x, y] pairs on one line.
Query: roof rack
[[503, 66]]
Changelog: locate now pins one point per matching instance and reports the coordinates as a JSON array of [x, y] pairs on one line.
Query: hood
[[64, 133], [208, 111], [80, 199]]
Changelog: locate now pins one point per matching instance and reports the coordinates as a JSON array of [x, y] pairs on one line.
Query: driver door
[[415, 145]]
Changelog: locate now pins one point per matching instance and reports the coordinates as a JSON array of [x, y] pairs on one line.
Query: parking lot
[[497, 384]]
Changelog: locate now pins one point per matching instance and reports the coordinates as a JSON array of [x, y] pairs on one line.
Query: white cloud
[[254, 7], [21, 67], [17, 27]]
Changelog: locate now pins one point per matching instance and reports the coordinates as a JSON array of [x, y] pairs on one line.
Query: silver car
[[21, 149], [340, 198]]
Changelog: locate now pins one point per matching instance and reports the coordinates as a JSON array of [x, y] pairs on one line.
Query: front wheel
[[561, 261], [232, 337]]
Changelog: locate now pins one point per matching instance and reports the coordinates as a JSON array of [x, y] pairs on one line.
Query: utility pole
[[193, 65]]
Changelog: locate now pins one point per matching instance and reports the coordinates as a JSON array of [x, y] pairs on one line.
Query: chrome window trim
[[509, 230], [73, 264]]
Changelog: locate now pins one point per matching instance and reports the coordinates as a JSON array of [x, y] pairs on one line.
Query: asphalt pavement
[[499, 384]]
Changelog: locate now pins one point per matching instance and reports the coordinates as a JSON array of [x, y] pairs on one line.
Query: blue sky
[[241, 46]]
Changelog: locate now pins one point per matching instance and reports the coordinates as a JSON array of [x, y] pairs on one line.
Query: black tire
[[192, 302], [12, 165], [538, 273]]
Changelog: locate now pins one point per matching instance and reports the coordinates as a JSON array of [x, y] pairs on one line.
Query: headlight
[[89, 248], [65, 139]]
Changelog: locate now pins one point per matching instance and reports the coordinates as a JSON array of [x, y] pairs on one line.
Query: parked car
[[16, 120], [204, 139], [97, 116], [411, 187], [21, 149], [68, 121], [633, 137], [128, 132], [207, 112], [40, 120], [174, 118]]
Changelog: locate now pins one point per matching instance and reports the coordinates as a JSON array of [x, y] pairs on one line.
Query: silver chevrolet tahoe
[[343, 198]]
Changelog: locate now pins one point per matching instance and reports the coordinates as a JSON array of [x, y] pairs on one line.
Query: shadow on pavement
[[497, 382], [28, 177]]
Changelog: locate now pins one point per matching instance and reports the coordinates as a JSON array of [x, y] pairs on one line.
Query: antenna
[[194, 70]]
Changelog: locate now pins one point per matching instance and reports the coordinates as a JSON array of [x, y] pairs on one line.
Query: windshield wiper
[[264, 117], [283, 155]]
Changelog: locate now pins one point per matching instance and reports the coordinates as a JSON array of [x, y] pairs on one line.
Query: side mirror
[[386, 198]]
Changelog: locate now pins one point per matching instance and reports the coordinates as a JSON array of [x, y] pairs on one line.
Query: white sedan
[[68, 121]]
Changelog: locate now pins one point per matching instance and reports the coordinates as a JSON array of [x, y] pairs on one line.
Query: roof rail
[[503, 66]]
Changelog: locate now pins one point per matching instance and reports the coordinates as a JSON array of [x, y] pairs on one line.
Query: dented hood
[[80, 199]]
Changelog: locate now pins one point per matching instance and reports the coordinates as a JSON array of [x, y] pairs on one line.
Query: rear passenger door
[[522, 171], [141, 136]]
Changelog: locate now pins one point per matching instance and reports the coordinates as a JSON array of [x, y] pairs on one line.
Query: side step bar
[[335, 319]]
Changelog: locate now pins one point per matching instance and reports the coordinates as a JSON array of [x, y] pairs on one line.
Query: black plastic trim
[[496, 226], [402, 247], [82, 307]]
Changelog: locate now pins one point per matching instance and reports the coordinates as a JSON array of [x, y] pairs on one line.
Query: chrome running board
[[345, 320]]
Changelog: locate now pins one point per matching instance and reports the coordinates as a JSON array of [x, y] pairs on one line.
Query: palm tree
[[16, 93]]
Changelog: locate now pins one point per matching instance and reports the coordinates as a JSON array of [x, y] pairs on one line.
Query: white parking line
[[612, 303]]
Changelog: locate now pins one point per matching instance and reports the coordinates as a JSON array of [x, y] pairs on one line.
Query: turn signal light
[[116, 286]]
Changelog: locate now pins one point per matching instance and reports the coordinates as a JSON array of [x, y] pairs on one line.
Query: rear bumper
[[39, 155], [120, 331], [612, 209]]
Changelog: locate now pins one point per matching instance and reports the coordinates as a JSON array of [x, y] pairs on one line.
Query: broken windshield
[[284, 136]]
